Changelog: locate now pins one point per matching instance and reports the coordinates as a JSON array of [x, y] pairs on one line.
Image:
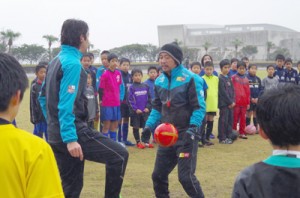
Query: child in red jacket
[[242, 98]]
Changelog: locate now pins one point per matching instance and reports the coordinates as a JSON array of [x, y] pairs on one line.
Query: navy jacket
[[150, 83], [127, 80], [291, 76], [280, 73], [226, 91], [36, 114], [255, 86]]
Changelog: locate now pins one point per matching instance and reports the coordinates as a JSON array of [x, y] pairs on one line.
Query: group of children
[[235, 93], [118, 96]]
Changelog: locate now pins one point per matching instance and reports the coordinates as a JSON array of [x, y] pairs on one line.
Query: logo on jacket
[[71, 89], [118, 78], [181, 79]]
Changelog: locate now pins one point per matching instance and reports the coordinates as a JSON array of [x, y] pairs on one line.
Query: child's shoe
[[243, 137], [140, 145], [149, 145], [226, 141], [208, 143], [212, 136]]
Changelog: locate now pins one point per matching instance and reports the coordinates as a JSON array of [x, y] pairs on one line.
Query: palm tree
[[206, 46], [270, 46], [236, 44], [11, 36], [50, 39]]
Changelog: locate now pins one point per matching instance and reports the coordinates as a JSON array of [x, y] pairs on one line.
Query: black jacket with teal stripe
[[62, 98], [179, 100]]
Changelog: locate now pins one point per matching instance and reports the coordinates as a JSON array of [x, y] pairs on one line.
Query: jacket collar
[[70, 49]]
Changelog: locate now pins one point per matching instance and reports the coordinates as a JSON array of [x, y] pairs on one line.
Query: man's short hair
[[71, 31], [278, 114], [12, 79]]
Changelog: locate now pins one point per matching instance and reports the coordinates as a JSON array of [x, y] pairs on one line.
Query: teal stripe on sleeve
[[67, 94], [153, 119]]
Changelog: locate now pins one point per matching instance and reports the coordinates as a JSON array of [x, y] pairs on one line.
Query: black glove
[[193, 133], [146, 134]]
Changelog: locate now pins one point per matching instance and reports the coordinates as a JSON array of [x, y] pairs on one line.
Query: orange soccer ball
[[166, 135]]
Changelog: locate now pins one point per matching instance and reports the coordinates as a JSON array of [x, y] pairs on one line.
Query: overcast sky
[[114, 23]]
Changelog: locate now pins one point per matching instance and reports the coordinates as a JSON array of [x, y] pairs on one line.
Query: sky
[[114, 23]]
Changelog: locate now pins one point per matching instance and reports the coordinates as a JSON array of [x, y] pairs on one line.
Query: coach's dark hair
[[280, 57], [152, 68], [12, 79], [71, 31], [224, 62], [105, 52], [234, 60], [252, 65], [202, 59], [39, 67], [123, 60], [278, 114], [195, 63], [134, 71]]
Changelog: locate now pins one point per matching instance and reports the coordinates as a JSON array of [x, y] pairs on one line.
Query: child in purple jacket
[[139, 102]]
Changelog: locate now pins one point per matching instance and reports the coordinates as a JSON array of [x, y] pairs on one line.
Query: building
[[220, 38]]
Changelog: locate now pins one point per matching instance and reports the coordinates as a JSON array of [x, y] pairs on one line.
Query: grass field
[[217, 166]]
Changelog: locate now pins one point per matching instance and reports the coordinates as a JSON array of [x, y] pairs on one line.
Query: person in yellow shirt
[[212, 82], [27, 164]]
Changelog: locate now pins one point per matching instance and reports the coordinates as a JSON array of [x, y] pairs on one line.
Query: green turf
[[217, 165]]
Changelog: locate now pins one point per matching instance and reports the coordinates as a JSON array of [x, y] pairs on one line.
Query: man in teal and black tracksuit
[[64, 105], [179, 100]]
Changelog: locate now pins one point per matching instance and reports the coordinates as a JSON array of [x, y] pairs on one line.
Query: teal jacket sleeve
[[42, 100], [67, 94], [196, 92]]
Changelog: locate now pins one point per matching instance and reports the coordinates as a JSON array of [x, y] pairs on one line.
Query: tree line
[[33, 53]]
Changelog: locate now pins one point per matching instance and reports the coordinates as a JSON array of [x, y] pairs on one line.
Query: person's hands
[[75, 150], [146, 110], [192, 133], [248, 107], [138, 111]]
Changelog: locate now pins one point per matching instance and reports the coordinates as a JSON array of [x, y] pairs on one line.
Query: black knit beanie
[[174, 51]]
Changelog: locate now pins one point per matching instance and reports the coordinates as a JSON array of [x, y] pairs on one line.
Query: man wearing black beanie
[[179, 100]]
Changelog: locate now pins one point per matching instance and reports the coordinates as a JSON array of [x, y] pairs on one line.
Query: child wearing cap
[[111, 92], [179, 100], [242, 98], [278, 175]]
